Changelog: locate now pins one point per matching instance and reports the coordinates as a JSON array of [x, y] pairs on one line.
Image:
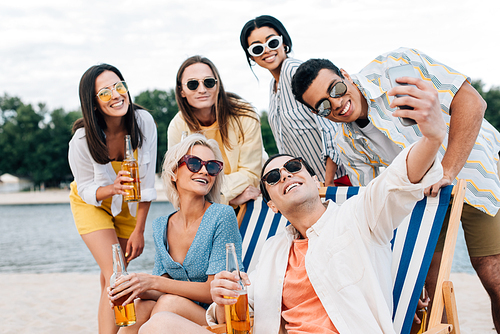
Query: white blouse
[[90, 175]]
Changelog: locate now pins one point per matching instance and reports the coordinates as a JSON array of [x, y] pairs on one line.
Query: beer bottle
[[237, 315], [130, 164], [124, 315]]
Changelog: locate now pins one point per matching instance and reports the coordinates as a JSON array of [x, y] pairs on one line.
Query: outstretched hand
[[424, 100]]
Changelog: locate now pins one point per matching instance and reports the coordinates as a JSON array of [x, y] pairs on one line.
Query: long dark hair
[[228, 107], [259, 22], [93, 121]]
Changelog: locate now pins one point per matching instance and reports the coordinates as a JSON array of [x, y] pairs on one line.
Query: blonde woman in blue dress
[[190, 243]]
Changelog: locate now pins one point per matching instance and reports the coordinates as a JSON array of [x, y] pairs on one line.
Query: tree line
[[34, 141]]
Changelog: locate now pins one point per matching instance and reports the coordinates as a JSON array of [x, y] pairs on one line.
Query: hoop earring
[[287, 49], [252, 62]]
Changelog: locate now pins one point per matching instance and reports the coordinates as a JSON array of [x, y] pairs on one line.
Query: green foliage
[[267, 135], [34, 141], [492, 98], [163, 107], [31, 146]]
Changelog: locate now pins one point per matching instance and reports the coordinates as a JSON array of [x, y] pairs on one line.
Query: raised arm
[[467, 112], [427, 113]]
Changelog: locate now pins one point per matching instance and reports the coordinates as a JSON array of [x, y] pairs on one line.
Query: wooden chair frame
[[444, 295]]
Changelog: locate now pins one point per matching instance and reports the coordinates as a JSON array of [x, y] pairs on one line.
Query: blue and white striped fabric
[[258, 224], [413, 245]]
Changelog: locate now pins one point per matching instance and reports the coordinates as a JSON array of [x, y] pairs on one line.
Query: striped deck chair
[[257, 223], [412, 247]]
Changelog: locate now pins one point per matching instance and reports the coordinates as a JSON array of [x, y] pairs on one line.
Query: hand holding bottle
[[120, 185], [124, 312], [226, 284], [130, 286], [236, 313]]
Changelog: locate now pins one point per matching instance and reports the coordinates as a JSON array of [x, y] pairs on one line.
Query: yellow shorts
[[89, 218], [482, 232]]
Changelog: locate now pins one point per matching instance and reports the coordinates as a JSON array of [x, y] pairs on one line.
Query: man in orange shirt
[[329, 272]]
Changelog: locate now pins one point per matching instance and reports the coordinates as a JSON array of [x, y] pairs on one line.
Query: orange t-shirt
[[302, 309]]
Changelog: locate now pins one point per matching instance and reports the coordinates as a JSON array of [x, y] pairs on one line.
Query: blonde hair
[[171, 160]]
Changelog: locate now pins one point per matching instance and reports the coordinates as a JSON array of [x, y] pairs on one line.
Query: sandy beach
[[67, 303]]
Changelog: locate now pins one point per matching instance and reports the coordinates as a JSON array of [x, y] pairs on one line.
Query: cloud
[[46, 46]]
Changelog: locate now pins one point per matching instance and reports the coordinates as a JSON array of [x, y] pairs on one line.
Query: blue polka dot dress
[[207, 253]]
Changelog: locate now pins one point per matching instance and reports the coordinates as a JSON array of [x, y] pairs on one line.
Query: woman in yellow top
[[205, 107]]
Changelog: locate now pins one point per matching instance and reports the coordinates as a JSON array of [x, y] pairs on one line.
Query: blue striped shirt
[[297, 131]]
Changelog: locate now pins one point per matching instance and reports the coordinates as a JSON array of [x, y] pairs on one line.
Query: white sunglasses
[[272, 43]]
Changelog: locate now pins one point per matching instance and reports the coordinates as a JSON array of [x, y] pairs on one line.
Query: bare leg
[[99, 243], [143, 310], [170, 323], [432, 275], [181, 306], [488, 270]]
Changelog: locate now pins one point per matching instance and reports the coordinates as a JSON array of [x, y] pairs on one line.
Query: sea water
[[44, 239]]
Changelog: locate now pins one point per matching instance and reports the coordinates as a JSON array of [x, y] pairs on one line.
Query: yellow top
[[242, 164]]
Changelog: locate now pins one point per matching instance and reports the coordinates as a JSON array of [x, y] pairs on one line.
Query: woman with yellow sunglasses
[[96, 152], [206, 108]]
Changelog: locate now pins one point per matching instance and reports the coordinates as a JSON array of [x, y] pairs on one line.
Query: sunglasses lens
[[121, 88], [194, 164], [324, 108], [213, 168], [257, 50], [273, 177], [273, 43], [209, 82], [293, 166], [105, 95], [192, 84], [338, 90]]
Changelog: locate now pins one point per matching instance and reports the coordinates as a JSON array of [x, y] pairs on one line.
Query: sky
[[46, 46]]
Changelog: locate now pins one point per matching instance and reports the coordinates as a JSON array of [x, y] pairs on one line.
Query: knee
[[169, 303], [158, 323]]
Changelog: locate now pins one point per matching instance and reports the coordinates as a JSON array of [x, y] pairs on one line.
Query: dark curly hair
[[306, 73]]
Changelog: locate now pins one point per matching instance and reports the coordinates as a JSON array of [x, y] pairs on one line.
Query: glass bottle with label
[[130, 165]]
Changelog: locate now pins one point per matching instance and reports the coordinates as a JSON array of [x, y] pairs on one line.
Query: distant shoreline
[[51, 196]]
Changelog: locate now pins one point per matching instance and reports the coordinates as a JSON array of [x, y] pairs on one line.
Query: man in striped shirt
[[300, 133], [371, 137]]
